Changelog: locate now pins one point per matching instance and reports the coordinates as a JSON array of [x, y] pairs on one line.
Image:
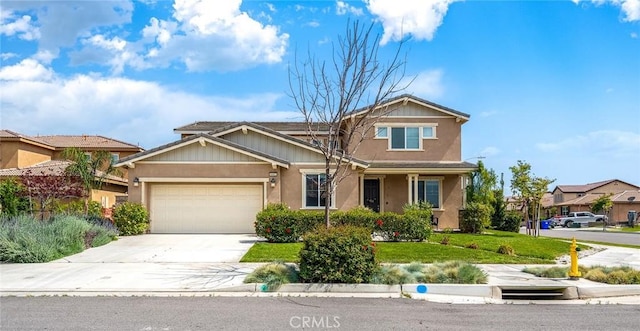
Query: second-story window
[[405, 138]]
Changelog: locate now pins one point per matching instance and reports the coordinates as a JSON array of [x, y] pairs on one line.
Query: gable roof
[[628, 196], [14, 136], [208, 126], [86, 141], [408, 97], [53, 168], [64, 141], [200, 137], [277, 135], [587, 187]]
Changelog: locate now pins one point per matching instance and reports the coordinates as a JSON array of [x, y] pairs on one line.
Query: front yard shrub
[[131, 218], [358, 216], [475, 218], [12, 200], [506, 250], [341, 254], [453, 272], [279, 224], [409, 226], [610, 275], [24, 239], [471, 245], [284, 225], [273, 275], [511, 222], [76, 207]]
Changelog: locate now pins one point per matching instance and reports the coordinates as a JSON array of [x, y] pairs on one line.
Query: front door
[[372, 194]]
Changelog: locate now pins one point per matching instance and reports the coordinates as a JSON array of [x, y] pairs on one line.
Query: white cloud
[[630, 8], [215, 35], [134, 111], [6, 56], [399, 18], [343, 8], [313, 24], [57, 24], [617, 144], [21, 26], [27, 69], [489, 151], [609, 90], [426, 84], [634, 35]]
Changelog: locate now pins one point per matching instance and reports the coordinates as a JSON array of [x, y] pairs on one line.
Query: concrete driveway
[[151, 263], [169, 248]]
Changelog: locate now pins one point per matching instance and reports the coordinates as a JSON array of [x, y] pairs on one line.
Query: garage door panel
[[213, 208]]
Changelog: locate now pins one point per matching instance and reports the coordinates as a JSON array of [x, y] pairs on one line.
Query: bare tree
[[345, 96]]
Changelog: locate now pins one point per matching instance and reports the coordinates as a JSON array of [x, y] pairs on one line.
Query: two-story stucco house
[[20, 153], [220, 174]]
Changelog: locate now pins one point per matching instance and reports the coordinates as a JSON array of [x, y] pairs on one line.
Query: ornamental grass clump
[[273, 275]]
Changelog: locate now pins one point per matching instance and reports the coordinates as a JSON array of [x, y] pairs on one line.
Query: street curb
[[339, 288], [592, 292], [469, 290]]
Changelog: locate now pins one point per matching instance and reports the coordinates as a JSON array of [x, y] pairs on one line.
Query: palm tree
[[92, 169]]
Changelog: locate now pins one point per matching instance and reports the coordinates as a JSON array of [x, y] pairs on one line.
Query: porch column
[[415, 188], [412, 185], [361, 179]]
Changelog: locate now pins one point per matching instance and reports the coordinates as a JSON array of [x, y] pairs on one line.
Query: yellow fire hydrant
[[574, 273]]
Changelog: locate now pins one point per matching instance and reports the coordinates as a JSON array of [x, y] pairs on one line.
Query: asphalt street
[[594, 234], [286, 313]]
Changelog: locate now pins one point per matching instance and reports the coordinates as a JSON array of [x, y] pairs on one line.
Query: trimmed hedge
[[341, 254], [277, 223]]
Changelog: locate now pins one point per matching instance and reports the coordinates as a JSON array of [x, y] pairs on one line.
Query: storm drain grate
[[528, 293]]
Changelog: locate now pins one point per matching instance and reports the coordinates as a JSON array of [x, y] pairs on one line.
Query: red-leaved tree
[[43, 187]]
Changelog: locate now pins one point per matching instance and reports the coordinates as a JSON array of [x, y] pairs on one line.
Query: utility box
[[631, 217]]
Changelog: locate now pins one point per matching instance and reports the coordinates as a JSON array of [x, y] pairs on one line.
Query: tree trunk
[[327, 190]]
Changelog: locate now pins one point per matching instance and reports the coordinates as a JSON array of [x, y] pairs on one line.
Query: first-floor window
[[429, 191], [564, 210], [315, 194]]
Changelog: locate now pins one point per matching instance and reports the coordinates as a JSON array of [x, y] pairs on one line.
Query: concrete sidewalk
[[76, 276]]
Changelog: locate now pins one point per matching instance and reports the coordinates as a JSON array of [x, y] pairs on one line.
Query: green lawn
[[528, 250], [634, 229]]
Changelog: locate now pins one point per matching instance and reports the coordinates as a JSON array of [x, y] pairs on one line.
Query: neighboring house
[[573, 198], [19, 153], [220, 174], [546, 205]]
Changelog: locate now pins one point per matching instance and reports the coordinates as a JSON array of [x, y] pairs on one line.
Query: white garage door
[[204, 208]]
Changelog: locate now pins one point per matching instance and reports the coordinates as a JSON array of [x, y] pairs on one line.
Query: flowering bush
[[277, 223]]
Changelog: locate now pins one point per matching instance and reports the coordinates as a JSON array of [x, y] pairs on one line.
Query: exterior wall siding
[[446, 146], [396, 196], [186, 171], [19, 155], [412, 109], [198, 153], [273, 146], [347, 194]]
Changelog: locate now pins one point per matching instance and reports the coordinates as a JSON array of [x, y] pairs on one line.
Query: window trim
[[303, 199], [421, 136], [438, 179]]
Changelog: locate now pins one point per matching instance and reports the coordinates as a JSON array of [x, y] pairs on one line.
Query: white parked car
[[581, 217]]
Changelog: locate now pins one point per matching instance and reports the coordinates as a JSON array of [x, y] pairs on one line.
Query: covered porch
[[387, 187]]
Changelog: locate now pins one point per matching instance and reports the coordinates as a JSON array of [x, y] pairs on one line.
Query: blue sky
[[554, 83]]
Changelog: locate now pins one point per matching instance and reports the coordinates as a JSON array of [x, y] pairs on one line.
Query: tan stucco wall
[[96, 195], [347, 194], [614, 187], [447, 146], [15, 154], [396, 190], [200, 171]]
